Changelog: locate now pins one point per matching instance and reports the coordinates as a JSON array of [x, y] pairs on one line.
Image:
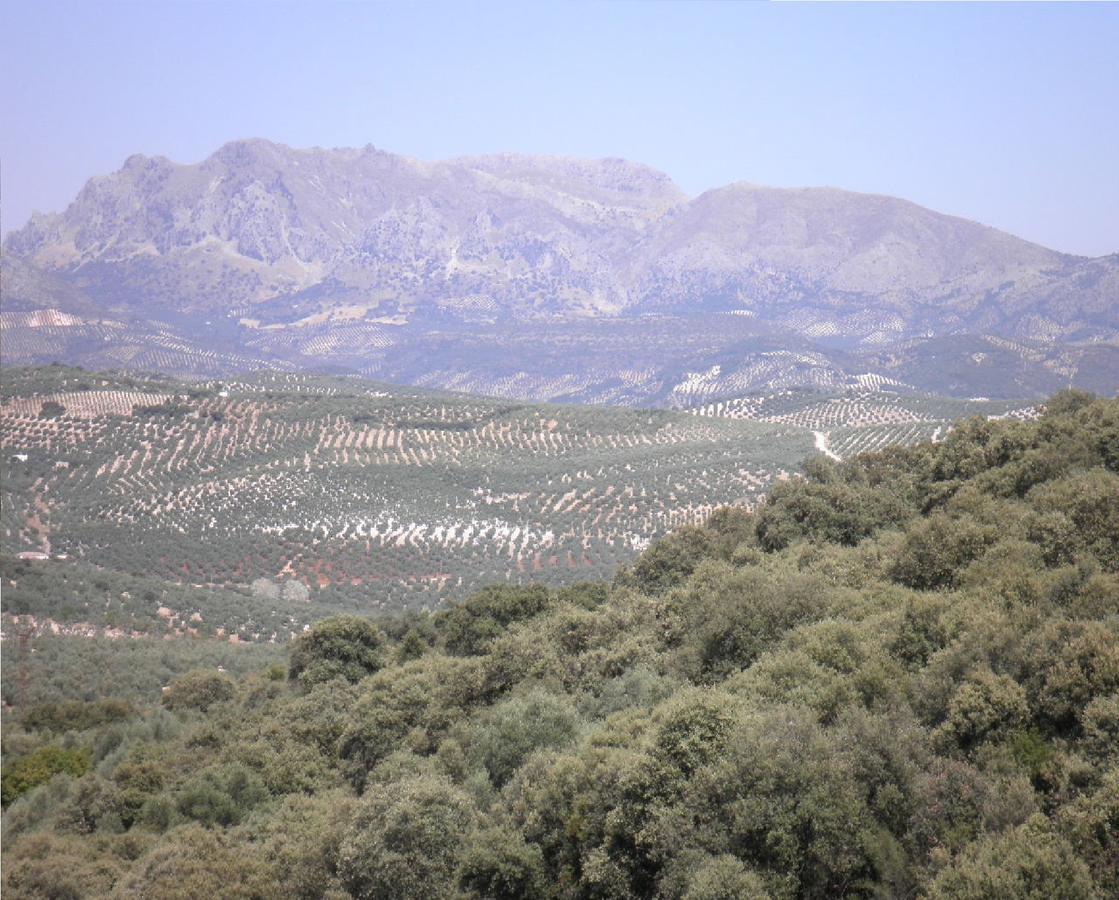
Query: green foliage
[[1078, 516], [1068, 402], [199, 690], [300, 838], [508, 732], [784, 798], [1100, 722], [725, 877], [56, 867], [827, 509], [1031, 862], [499, 865], [75, 715], [986, 705], [912, 696], [38, 768], [192, 862], [340, 647], [937, 549], [468, 626], [222, 796], [1072, 663], [726, 617], [670, 561], [406, 840], [1091, 824]]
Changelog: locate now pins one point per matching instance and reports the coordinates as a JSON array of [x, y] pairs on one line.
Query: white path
[[822, 446]]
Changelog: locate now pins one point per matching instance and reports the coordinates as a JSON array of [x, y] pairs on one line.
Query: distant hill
[[584, 280]]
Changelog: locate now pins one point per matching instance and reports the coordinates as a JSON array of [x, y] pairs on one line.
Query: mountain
[[538, 278]]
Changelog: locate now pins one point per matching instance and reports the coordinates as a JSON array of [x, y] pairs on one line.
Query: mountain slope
[[355, 258]]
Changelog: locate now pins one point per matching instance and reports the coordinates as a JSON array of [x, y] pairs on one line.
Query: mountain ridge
[[335, 257]]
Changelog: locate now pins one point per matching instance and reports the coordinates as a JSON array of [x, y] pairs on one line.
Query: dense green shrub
[[222, 796], [499, 865], [76, 716], [192, 862], [937, 549], [670, 561], [508, 732], [406, 840], [725, 877], [468, 626], [340, 647], [1031, 862], [199, 690], [27, 772], [834, 512]]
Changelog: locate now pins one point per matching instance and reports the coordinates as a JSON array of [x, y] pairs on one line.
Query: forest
[[898, 677]]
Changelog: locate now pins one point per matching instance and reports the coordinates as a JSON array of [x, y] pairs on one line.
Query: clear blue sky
[[1007, 114]]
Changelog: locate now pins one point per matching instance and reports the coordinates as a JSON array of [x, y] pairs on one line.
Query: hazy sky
[[1007, 114]]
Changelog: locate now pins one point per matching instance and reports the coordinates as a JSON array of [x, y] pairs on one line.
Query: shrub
[[1030, 862], [199, 690], [76, 715], [668, 562], [506, 734], [1072, 664], [52, 867], [725, 878], [192, 862], [833, 512], [340, 647], [499, 865], [222, 796], [469, 626], [406, 840], [40, 767], [986, 705], [937, 549]]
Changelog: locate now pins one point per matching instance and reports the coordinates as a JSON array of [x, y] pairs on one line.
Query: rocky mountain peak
[[259, 232]]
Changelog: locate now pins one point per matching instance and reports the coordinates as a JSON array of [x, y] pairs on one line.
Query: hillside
[[899, 677], [598, 280], [345, 492], [251, 508]]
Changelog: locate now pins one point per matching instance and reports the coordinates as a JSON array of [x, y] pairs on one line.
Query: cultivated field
[[869, 417], [248, 508], [364, 495]]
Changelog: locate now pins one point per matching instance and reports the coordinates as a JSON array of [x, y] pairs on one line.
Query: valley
[[678, 461]]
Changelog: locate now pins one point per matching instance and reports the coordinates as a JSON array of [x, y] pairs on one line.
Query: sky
[[1006, 114]]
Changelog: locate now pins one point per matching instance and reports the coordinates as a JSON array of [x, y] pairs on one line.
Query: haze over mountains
[[544, 278]]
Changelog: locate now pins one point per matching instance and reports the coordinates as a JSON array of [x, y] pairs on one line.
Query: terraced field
[[361, 494]]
